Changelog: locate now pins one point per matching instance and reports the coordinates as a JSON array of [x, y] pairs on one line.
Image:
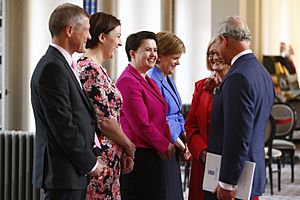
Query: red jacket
[[197, 128]]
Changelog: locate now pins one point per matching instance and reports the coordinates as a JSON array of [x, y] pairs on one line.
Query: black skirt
[[171, 184], [144, 182]]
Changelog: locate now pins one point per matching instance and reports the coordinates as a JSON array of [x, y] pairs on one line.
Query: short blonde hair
[[211, 42], [168, 43]]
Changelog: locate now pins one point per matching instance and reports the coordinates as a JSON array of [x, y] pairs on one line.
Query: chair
[[272, 153], [285, 120], [295, 104]]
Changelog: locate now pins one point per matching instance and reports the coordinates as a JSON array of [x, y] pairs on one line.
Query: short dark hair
[[66, 14], [134, 41], [101, 23]]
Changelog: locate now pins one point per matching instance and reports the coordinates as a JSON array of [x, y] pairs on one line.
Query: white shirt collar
[[66, 54], [247, 51]]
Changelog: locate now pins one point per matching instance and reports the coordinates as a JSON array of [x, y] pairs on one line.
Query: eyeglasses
[[211, 54]]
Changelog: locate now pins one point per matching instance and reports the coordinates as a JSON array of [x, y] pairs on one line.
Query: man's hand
[[223, 194], [127, 164], [100, 171]]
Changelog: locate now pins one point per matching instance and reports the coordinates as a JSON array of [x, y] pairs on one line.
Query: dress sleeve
[[181, 121], [98, 88], [196, 129]]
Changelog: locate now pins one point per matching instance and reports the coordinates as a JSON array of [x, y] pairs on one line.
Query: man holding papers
[[241, 107]]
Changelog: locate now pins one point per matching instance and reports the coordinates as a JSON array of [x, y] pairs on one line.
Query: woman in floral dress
[[114, 147]]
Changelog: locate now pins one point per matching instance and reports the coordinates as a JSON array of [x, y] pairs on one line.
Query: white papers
[[211, 176]]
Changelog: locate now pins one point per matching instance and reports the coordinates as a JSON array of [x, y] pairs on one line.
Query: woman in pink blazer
[[143, 119]]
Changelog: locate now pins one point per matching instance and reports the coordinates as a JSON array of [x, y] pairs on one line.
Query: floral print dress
[[107, 102]]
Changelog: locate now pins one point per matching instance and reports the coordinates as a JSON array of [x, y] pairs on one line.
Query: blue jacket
[[241, 108], [171, 95]]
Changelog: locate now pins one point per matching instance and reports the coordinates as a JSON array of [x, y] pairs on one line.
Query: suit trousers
[[58, 194], [144, 182]]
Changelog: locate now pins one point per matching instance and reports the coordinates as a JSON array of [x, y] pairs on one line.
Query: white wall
[[136, 15], [195, 21], [193, 26], [270, 22]]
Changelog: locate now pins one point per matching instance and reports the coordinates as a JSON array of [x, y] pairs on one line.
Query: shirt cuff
[[227, 186], [94, 168]]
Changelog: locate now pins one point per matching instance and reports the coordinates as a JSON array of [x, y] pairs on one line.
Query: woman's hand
[[129, 148], [169, 153], [187, 154], [113, 131], [127, 164], [211, 82], [203, 156]]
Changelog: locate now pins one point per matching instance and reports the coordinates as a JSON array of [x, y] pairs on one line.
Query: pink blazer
[[143, 114]]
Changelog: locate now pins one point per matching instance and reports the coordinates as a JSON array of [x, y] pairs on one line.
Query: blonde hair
[[168, 43], [208, 65]]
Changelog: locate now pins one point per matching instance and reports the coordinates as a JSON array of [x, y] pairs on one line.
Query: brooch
[[216, 91]]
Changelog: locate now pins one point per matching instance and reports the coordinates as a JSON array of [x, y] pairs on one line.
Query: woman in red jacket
[[197, 124]]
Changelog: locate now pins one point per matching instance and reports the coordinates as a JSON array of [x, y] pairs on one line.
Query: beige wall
[[14, 67], [221, 9], [280, 23], [194, 21], [27, 37]]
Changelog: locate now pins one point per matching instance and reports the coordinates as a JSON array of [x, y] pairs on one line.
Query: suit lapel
[[148, 84], [233, 68], [73, 77], [79, 88], [174, 93]]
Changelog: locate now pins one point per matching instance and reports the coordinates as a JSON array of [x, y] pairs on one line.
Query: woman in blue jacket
[[169, 49]]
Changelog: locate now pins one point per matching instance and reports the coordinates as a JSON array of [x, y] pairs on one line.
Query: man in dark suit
[[65, 121], [241, 107]]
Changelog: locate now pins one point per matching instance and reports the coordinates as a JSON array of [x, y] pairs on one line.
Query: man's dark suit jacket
[[65, 125], [241, 108]]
